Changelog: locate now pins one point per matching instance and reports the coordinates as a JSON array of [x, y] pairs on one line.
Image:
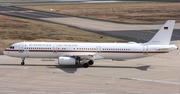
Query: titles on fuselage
[[53, 44]]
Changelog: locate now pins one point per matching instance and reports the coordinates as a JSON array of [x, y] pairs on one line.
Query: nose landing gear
[[22, 63]]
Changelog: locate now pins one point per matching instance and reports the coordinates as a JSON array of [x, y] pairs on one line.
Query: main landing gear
[[86, 65], [22, 63], [90, 62]]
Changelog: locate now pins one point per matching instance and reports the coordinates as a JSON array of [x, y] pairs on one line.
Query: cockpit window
[[11, 47]]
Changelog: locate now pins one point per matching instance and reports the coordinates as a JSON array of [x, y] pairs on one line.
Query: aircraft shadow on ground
[[73, 69], [70, 68], [143, 68]]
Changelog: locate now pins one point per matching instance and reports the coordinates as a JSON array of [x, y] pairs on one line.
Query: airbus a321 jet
[[70, 53]]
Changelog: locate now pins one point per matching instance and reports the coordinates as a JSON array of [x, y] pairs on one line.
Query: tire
[[91, 62], [86, 65], [22, 63]]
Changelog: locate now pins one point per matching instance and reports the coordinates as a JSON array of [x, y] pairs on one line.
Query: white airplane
[[69, 53]]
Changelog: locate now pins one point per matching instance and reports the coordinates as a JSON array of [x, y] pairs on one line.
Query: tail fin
[[163, 36]]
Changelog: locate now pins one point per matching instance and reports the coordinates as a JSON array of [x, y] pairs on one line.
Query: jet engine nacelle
[[66, 61]]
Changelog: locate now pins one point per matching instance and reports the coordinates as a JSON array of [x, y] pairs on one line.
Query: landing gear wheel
[[22, 63], [86, 65], [91, 62]]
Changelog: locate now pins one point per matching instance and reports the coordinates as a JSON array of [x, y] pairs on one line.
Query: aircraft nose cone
[[5, 52]]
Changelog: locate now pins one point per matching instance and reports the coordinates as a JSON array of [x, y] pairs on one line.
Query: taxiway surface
[[141, 33]]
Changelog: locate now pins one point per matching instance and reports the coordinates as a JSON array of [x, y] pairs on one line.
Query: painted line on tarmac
[[98, 93], [149, 80]]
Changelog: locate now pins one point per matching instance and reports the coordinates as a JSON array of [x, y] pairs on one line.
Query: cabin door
[[145, 49], [21, 48], [98, 49], [55, 48]]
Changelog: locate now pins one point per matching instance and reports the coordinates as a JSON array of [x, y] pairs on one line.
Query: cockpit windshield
[[11, 47]]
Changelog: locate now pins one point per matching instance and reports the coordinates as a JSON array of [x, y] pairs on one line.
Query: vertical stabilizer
[[163, 36]]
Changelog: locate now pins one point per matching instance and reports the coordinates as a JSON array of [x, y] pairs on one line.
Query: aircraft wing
[[90, 56]]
